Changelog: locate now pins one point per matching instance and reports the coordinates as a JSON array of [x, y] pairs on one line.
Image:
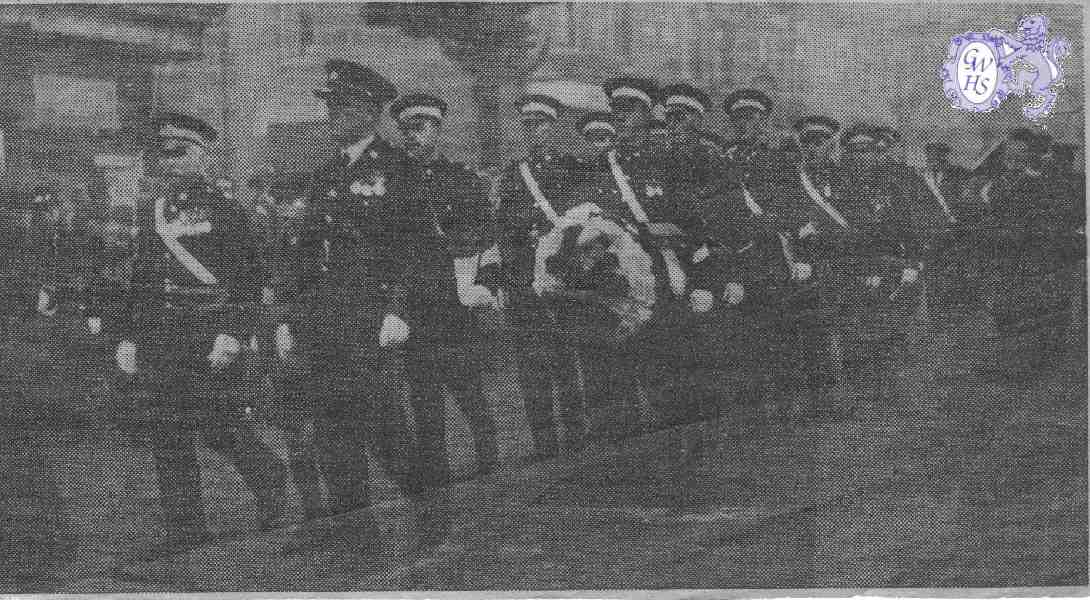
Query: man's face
[[860, 160], [350, 123], [420, 136], [815, 148], [600, 141], [684, 125], [751, 125], [180, 157], [630, 117], [1016, 156], [538, 135]]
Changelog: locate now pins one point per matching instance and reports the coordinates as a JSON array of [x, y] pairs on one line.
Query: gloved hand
[[701, 301], [126, 356], [910, 276], [45, 303], [268, 295], [734, 293], [873, 281], [546, 284], [394, 331], [477, 296], [225, 349], [285, 343], [94, 325], [801, 271]]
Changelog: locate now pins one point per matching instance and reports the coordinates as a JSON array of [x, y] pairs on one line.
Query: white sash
[[170, 234], [929, 179], [670, 259], [785, 244], [535, 190], [819, 199]]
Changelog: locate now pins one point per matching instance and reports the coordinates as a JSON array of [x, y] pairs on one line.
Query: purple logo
[[984, 68]]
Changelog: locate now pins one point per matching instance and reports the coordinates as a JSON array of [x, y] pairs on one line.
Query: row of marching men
[[401, 258]]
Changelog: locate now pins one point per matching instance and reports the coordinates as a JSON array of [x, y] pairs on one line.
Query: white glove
[[801, 271], [285, 343], [700, 301], [546, 284], [94, 325], [477, 296], [225, 349], [394, 331], [733, 293], [873, 281], [44, 301], [268, 296], [910, 276], [126, 357]]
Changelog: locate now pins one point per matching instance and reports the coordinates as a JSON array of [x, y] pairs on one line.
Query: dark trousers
[[430, 367], [544, 359], [190, 402]]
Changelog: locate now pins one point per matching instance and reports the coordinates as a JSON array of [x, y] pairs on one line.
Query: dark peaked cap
[[349, 82]]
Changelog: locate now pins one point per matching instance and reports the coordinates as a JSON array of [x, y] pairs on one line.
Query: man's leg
[[429, 415], [464, 380], [174, 452], [536, 370]]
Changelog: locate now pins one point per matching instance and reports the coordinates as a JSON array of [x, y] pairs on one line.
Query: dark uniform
[[849, 228], [353, 264], [192, 280], [533, 192], [632, 184], [1035, 248], [449, 218]]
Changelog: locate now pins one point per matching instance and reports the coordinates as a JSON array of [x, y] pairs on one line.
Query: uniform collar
[[355, 151]]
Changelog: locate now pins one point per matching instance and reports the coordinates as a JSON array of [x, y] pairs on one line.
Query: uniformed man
[[37, 257], [847, 231], [945, 225], [598, 131], [353, 321], [534, 191], [1034, 246], [453, 236], [748, 112], [632, 185], [183, 328]]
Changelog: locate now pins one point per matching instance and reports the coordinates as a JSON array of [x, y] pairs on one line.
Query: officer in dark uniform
[[453, 239], [534, 192], [631, 184], [37, 257], [183, 328], [352, 318]]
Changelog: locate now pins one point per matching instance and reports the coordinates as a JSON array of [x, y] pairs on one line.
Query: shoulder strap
[[929, 179], [535, 190], [820, 200], [170, 240]]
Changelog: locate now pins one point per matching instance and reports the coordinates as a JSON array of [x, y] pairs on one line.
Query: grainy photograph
[[554, 296]]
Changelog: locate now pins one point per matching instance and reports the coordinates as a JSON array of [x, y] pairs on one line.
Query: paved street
[[972, 480]]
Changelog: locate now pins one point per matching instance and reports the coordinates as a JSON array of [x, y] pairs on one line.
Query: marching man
[[452, 232], [534, 192], [183, 328]]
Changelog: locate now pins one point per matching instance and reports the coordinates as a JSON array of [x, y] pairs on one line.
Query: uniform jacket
[[520, 222], [668, 199], [447, 216], [204, 221]]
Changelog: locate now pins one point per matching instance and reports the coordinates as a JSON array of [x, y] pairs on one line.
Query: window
[[79, 102]]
